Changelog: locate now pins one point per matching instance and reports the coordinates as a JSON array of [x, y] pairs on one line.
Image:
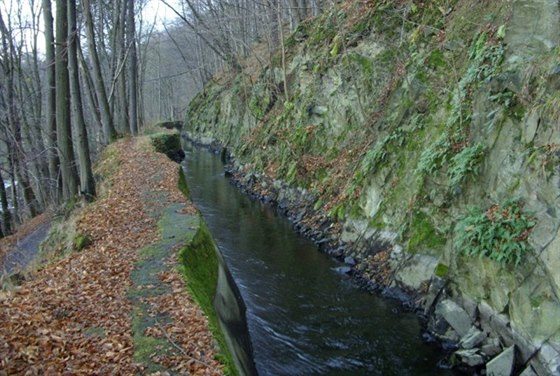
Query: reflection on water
[[303, 318]]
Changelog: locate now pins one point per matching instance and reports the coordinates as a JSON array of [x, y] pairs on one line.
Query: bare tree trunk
[[63, 125], [105, 112], [50, 108], [86, 175], [6, 215], [283, 52], [15, 137], [119, 102], [90, 91], [132, 69]]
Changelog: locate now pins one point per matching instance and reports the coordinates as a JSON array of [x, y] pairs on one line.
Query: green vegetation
[[499, 233], [82, 241], [465, 162], [421, 232], [451, 150], [441, 270], [200, 268], [168, 144], [260, 101], [182, 184], [178, 125]]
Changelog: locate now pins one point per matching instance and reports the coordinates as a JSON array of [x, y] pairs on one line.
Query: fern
[[465, 162], [433, 158], [499, 233]]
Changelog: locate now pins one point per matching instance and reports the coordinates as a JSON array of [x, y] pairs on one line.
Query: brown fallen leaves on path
[[73, 316]]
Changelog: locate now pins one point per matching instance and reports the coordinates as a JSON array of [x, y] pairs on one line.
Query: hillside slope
[[429, 131]]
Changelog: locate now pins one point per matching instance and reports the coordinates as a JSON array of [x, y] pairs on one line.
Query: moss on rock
[[168, 144]]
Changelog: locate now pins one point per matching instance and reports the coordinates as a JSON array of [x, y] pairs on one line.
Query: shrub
[[499, 233]]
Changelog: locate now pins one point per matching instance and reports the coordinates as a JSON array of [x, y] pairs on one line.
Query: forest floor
[[120, 305]]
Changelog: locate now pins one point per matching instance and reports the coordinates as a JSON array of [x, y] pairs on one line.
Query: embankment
[[422, 138]]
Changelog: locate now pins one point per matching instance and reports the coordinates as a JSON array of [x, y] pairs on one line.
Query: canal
[[303, 317]]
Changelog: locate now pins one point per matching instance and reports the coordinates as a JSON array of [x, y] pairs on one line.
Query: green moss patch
[[422, 233], [168, 144], [441, 270], [182, 184], [82, 241], [200, 268], [176, 229]]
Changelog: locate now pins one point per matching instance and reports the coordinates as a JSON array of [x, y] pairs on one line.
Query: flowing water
[[303, 317]]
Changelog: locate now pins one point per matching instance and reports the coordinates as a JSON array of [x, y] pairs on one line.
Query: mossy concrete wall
[[399, 116]]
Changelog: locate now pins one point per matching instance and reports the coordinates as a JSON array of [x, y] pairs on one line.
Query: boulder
[[502, 364], [550, 359], [491, 347], [416, 271], [473, 338], [528, 372], [470, 357], [436, 286], [456, 316], [343, 270]]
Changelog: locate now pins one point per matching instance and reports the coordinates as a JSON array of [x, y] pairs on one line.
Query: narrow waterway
[[303, 317]]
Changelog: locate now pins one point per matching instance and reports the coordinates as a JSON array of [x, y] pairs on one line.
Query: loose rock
[[502, 365], [455, 316]]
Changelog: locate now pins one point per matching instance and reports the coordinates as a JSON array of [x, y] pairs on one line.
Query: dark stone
[[434, 291], [171, 125], [338, 252], [470, 357], [17, 278], [343, 270]]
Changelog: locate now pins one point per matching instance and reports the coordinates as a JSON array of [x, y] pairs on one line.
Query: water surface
[[303, 317]]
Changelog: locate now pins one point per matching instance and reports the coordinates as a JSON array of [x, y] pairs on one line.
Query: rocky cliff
[[429, 134]]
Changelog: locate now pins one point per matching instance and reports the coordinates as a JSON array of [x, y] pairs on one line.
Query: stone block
[[491, 347], [528, 372], [416, 271], [470, 357], [455, 316], [473, 338], [502, 364], [550, 359]]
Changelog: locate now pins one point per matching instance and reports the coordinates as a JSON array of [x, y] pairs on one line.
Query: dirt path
[[23, 252], [119, 306], [17, 250]]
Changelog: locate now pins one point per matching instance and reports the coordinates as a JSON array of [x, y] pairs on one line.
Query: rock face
[[395, 137]]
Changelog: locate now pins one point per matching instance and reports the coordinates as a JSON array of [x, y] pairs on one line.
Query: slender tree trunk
[[119, 102], [16, 144], [6, 215], [86, 175], [13, 187], [63, 125], [50, 100], [132, 69], [90, 92], [105, 112]]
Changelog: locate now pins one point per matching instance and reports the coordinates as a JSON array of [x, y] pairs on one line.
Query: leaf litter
[[73, 316]]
